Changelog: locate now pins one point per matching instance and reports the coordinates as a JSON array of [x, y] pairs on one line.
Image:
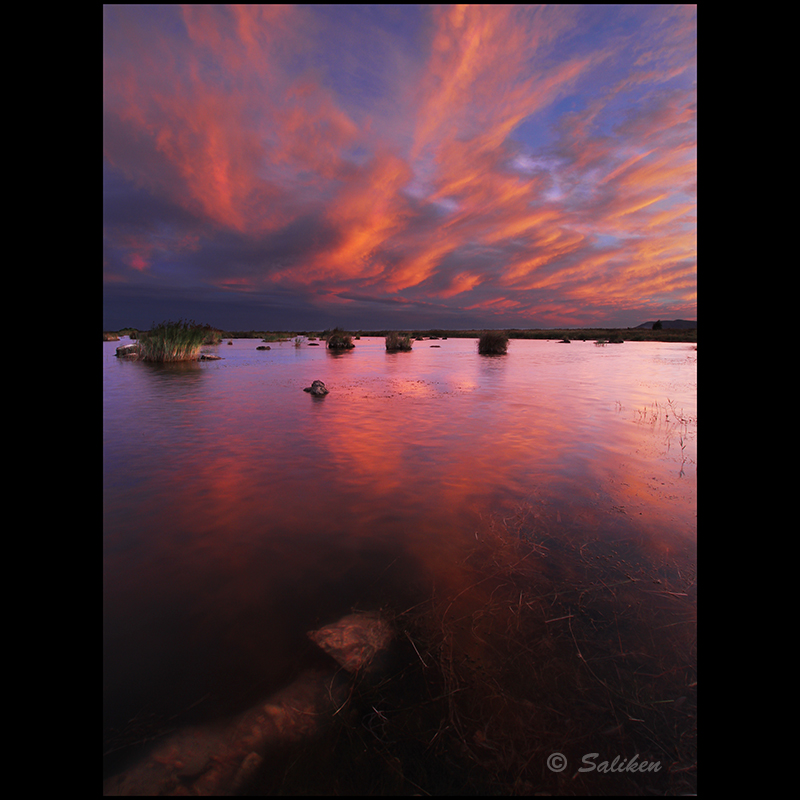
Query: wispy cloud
[[515, 165]]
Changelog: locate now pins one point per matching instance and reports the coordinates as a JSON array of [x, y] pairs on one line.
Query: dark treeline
[[573, 334], [558, 334]]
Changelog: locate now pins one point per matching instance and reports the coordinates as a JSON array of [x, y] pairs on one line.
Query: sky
[[300, 167]]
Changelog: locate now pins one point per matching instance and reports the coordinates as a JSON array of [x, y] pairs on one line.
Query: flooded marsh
[[525, 522]]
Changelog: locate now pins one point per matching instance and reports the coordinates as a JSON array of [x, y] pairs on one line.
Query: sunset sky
[[304, 166]]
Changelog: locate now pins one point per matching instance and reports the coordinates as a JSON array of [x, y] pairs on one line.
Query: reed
[[212, 335], [174, 341], [493, 343], [398, 342], [339, 340]]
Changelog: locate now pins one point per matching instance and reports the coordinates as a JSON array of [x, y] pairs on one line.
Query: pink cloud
[[238, 124]]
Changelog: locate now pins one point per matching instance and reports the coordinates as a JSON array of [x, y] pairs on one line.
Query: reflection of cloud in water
[[408, 387], [239, 510]]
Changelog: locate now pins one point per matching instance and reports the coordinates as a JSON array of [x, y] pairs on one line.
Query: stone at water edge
[[128, 350], [220, 758], [354, 640], [223, 757], [317, 389]]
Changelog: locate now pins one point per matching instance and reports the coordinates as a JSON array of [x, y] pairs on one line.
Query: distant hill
[[680, 324]]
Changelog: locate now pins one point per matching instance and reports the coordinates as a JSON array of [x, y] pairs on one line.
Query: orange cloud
[[239, 122], [461, 282], [478, 74], [230, 160]]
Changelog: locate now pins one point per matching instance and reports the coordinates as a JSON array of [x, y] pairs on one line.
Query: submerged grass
[[579, 649], [584, 648]]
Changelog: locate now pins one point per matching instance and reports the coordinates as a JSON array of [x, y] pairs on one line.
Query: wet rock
[[263, 347], [209, 357], [317, 389], [247, 772], [355, 640], [222, 758], [128, 351]]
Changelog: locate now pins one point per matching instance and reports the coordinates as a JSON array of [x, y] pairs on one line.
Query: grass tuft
[[174, 341], [339, 340], [493, 343], [398, 342]]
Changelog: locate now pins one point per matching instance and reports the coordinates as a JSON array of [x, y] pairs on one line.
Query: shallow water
[[240, 512]]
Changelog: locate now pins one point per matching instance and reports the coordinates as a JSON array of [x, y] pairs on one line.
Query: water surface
[[240, 512]]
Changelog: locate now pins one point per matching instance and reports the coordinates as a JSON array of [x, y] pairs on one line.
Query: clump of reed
[[339, 340], [174, 341], [493, 343], [212, 335], [398, 342]]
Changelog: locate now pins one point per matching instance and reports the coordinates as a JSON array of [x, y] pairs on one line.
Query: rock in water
[[317, 389], [354, 640], [247, 770], [128, 350], [222, 758]]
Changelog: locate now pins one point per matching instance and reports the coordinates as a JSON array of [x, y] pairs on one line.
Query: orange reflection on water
[[252, 512]]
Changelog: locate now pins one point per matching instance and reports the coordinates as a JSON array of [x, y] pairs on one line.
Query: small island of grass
[[398, 342], [493, 343], [339, 340], [173, 341]]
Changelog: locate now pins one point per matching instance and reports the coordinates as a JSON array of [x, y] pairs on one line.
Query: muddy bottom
[[562, 668]]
